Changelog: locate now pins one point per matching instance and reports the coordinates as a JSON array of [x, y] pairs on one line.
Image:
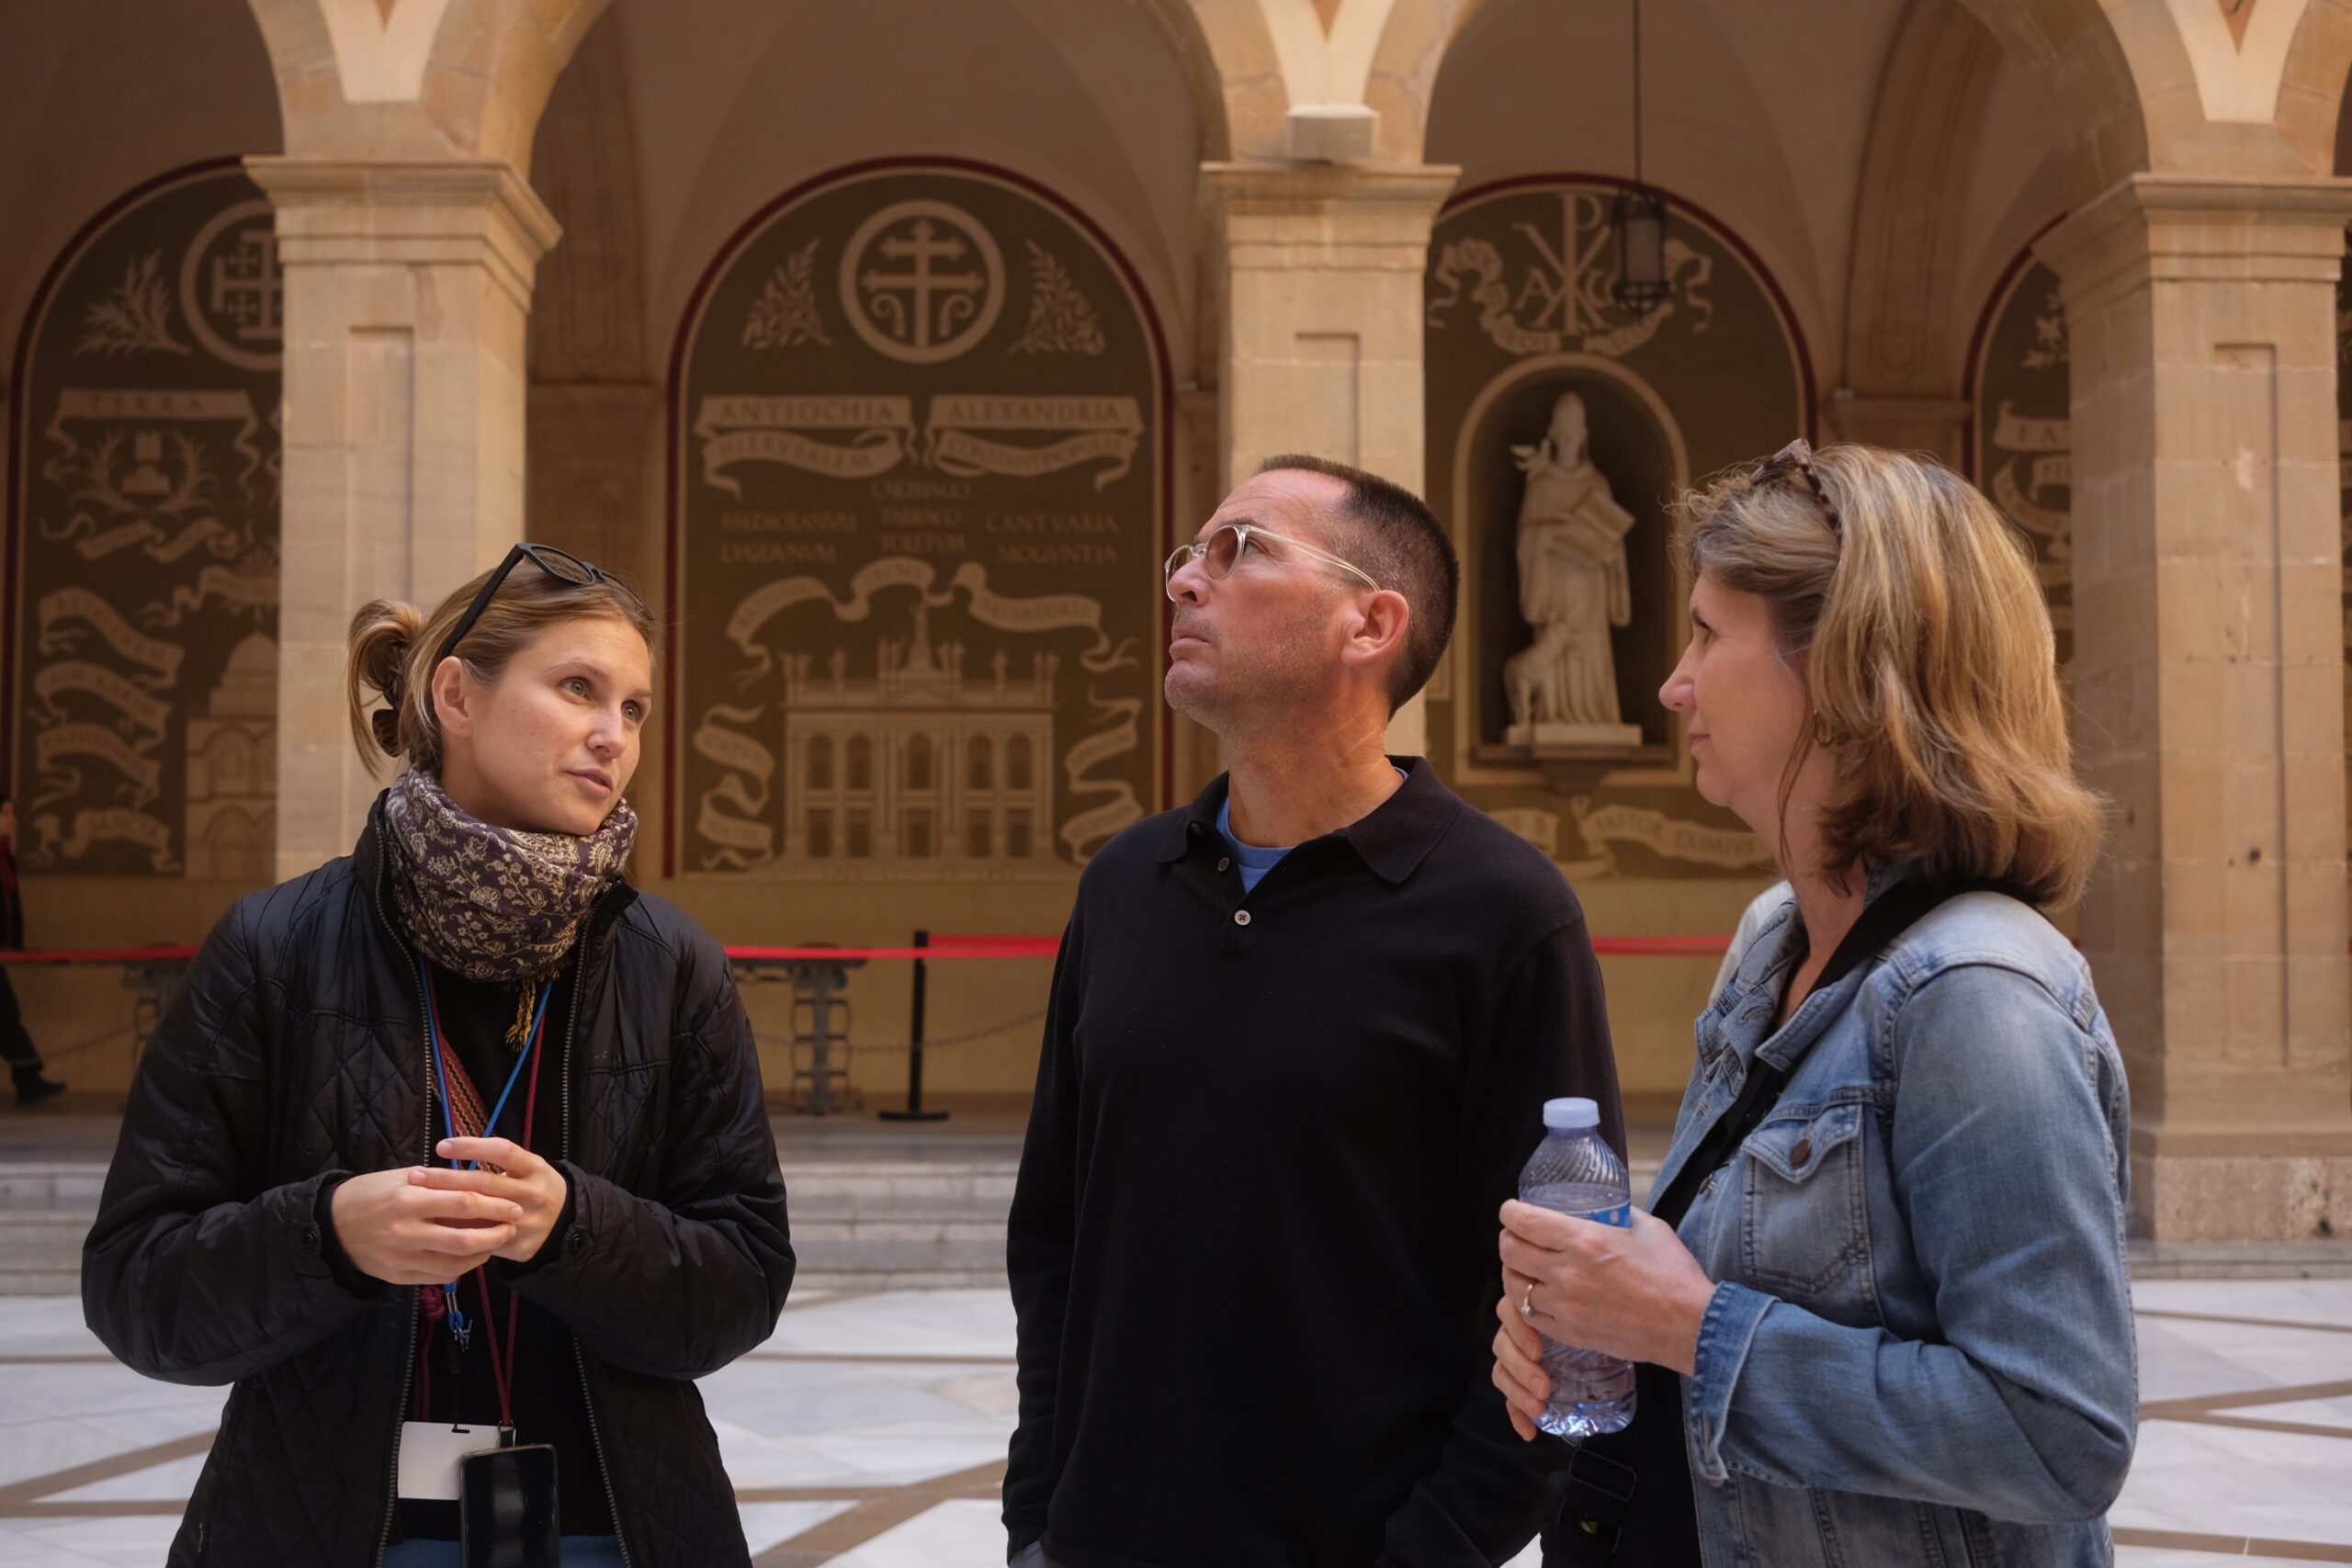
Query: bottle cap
[[1566, 1116]]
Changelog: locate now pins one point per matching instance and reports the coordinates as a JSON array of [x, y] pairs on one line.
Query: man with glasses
[[1301, 1033]]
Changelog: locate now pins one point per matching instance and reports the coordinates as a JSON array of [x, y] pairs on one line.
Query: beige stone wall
[[2207, 577], [2209, 669]]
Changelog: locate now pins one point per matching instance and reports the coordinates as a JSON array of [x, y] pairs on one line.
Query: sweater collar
[[1391, 840]]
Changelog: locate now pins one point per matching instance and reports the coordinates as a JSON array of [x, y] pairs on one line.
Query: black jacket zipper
[[407, 1356], [578, 1355]]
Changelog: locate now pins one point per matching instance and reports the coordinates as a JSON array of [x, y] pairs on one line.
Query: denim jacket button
[[1803, 1152]]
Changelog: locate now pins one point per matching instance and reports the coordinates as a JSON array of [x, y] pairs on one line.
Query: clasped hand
[[428, 1225], [1631, 1290]]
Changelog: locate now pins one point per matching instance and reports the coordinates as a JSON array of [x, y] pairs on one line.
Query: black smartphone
[[507, 1508]]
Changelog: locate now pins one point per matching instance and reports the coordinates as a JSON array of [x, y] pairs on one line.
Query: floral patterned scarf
[[494, 904]]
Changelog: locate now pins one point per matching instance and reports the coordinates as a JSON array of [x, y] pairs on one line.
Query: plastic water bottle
[[1572, 1171]]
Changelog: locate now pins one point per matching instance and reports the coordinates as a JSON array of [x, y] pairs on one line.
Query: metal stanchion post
[[914, 1111]]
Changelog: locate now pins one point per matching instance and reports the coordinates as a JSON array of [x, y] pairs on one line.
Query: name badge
[[430, 1451]]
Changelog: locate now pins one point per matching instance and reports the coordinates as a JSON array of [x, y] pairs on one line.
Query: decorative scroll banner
[[147, 407], [1732, 849], [151, 714], [767, 430], [1097, 824], [93, 827], [96, 741], [744, 842], [1109, 428], [161, 546], [254, 592], [732, 748], [85, 604], [1052, 611]]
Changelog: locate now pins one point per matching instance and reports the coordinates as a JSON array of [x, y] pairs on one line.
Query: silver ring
[[1527, 1304]]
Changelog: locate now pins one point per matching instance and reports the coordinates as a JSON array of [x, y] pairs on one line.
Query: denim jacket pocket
[[1805, 1225]]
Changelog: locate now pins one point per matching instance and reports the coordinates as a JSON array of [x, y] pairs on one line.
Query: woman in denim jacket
[[1900, 1310]]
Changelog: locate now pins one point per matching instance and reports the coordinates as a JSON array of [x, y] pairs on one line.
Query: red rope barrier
[[959, 946], [947, 946]]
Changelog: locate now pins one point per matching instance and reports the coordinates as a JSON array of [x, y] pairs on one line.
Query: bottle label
[[1620, 1216]]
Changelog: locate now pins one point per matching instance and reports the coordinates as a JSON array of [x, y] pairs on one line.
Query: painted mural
[[2023, 443], [143, 534], [1561, 427], [917, 506]]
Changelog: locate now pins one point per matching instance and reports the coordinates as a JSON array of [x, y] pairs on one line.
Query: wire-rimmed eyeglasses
[[1797, 458], [1227, 544]]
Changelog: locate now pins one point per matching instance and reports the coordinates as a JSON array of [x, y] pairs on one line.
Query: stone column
[[2209, 676], [408, 287], [1322, 295]]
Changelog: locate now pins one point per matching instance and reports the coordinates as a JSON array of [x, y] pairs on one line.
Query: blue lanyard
[[459, 1329]]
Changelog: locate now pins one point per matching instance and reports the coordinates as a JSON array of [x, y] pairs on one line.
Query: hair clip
[[387, 725]]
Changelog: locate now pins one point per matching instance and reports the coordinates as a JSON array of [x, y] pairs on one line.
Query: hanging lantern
[[1639, 218]]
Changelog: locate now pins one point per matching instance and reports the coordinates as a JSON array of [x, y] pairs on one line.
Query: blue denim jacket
[[1920, 1344]]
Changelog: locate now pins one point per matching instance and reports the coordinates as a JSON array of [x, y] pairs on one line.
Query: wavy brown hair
[[392, 644], [1917, 625]]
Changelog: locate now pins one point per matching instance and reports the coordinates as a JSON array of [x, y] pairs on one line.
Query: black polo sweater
[[1253, 1247]]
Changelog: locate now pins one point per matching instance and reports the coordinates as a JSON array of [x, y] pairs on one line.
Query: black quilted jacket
[[295, 1052]]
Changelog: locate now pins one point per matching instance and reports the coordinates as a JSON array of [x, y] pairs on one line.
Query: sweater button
[[310, 1240], [1241, 916], [1225, 862]]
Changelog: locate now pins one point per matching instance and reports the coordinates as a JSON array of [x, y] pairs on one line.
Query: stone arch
[[1229, 60], [1404, 70], [2313, 90], [1904, 320], [418, 78], [588, 306], [2114, 75]]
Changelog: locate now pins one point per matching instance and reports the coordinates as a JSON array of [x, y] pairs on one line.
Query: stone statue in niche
[[1572, 591]]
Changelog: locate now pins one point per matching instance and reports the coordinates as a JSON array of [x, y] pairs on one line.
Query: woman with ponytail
[[456, 1144]]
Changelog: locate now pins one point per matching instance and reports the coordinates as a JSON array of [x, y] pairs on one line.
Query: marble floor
[[869, 1432]]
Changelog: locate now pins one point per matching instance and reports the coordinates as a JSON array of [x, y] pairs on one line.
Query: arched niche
[[142, 522], [919, 471], [1519, 311], [1636, 447], [2020, 436]]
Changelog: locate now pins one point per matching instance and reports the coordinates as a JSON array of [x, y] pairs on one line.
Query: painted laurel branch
[[787, 314], [1060, 321], [135, 315]]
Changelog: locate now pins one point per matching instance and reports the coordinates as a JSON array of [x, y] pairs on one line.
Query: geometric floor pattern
[[869, 1432]]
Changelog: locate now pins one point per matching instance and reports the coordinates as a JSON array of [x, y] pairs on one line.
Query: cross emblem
[[914, 316], [922, 281], [247, 287], [1569, 292]]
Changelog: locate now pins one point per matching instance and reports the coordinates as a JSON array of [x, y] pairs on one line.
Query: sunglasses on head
[[1797, 458], [561, 565]]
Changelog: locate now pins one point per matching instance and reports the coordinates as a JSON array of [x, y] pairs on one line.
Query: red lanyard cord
[[502, 1368]]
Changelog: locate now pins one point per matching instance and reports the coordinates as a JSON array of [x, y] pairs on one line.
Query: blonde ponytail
[[383, 641]]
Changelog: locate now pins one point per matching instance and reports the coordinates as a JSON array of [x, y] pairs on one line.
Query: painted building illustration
[[232, 823], [920, 769]]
